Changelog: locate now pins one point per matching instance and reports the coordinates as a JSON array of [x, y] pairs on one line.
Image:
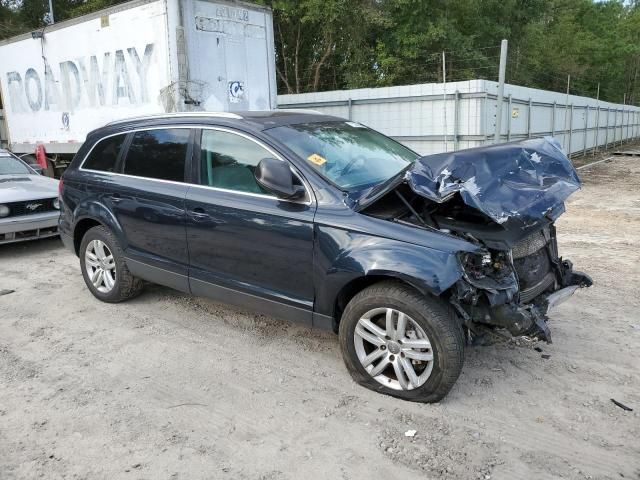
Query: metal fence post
[[509, 113], [529, 107], [615, 126], [570, 129], [606, 131], [456, 120], [597, 139], [586, 129], [553, 120], [350, 106], [628, 123]]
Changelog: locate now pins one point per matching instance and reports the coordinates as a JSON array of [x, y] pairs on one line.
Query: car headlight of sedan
[[4, 211], [56, 203]]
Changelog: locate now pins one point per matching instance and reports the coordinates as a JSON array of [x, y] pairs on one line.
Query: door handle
[[199, 213]]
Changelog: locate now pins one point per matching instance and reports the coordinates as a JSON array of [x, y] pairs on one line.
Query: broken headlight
[[493, 264]]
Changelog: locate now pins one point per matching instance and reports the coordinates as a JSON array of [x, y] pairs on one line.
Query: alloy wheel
[[393, 349], [100, 266]]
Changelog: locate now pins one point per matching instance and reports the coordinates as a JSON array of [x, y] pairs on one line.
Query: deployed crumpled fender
[[515, 184]]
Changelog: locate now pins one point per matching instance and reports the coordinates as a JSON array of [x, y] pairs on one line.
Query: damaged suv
[[320, 220]]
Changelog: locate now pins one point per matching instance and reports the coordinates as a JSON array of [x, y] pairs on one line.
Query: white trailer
[[138, 58]]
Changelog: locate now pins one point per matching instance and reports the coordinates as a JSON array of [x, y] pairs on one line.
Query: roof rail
[[177, 114], [300, 110]]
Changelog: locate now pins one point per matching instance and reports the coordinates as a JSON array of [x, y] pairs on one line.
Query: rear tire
[[101, 255], [424, 356]]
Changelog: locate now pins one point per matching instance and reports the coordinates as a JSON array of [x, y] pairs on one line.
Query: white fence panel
[[432, 118]]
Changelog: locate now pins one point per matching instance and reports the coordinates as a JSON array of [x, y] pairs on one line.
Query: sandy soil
[[172, 387]]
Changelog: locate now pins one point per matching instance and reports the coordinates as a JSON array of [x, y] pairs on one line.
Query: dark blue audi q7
[[323, 221]]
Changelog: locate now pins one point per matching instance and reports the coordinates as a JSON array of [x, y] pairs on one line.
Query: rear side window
[[104, 155], [158, 154]]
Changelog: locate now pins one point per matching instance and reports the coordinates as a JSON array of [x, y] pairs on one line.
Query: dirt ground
[[172, 387]]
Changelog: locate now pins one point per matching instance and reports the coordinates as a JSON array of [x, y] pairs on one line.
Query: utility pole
[[500, 100], [595, 142], [566, 111], [51, 20], [444, 99]]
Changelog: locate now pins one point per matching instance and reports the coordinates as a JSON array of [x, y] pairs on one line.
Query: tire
[[125, 285], [434, 323], [50, 170]]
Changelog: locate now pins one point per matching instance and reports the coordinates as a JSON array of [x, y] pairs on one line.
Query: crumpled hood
[[22, 188], [517, 183]]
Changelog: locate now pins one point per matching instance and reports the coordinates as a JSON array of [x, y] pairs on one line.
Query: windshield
[[348, 154], [9, 165]]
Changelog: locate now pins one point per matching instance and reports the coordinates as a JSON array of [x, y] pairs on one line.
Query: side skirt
[[229, 296], [250, 302], [158, 275]]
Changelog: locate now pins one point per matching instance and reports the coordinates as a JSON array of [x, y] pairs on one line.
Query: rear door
[[149, 203], [247, 246]]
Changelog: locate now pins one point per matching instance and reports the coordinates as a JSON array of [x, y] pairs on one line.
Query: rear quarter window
[[159, 154], [104, 155]]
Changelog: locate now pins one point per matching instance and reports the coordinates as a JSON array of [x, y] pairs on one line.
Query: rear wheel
[[398, 342], [104, 269]]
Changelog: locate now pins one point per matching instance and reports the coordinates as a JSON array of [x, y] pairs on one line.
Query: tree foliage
[[341, 44]]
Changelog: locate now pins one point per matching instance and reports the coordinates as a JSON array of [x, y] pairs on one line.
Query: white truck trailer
[[138, 58]]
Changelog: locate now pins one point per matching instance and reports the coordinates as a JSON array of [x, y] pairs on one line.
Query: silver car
[[29, 205]]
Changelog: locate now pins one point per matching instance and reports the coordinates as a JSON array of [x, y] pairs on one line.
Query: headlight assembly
[[4, 211], [56, 203], [480, 265]]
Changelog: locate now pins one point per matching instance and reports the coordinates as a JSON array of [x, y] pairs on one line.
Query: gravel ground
[[172, 387]]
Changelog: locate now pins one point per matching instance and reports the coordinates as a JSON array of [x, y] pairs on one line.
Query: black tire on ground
[[438, 320], [50, 170], [126, 285]]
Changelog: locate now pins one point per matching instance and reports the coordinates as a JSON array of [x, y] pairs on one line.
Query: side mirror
[[276, 177]]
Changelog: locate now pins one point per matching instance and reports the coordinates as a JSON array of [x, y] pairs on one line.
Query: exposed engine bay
[[504, 199]]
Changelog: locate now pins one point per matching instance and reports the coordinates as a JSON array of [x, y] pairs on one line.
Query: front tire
[[104, 269], [401, 343]]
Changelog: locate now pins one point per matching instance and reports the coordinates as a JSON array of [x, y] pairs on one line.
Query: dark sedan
[[324, 221]]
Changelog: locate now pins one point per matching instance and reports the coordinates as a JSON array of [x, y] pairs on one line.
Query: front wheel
[[398, 342]]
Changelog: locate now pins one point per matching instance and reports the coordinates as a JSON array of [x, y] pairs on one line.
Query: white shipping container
[[138, 58]]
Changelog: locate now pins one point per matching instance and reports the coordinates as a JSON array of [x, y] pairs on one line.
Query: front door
[[245, 245]]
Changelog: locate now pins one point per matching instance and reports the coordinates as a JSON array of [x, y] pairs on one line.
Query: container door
[[228, 57]]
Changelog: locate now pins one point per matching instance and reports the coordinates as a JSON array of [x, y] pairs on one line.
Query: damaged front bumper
[[486, 303]]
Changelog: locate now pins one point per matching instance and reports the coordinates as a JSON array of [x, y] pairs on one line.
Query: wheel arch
[[356, 285], [92, 214]]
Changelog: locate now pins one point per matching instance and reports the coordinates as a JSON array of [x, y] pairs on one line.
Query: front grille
[[31, 207], [529, 245], [533, 265], [532, 292]]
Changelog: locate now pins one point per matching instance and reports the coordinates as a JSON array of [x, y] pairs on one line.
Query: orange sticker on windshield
[[317, 159]]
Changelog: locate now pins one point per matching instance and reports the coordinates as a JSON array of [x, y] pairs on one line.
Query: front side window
[[228, 161], [348, 154], [10, 165], [158, 154], [105, 154]]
